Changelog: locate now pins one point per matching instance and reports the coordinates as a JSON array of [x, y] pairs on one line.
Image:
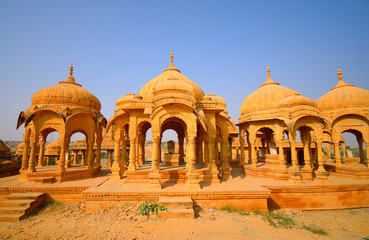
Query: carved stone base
[[321, 177], [295, 177], [154, 181], [116, 173], [307, 174], [226, 173], [351, 160], [193, 180]]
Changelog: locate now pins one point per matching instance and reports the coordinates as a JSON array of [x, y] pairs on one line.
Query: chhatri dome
[[67, 93], [171, 80], [343, 96], [270, 98]]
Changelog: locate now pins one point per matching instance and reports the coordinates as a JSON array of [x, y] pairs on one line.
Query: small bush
[[230, 209], [315, 230], [147, 207]]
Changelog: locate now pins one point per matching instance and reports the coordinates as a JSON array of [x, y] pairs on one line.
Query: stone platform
[[245, 192]]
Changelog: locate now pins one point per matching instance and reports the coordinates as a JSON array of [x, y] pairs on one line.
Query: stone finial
[[70, 78], [71, 69], [339, 73], [171, 66], [171, 56], [269, 79], [268, 71]]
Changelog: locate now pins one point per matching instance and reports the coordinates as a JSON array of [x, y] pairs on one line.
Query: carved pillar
[[61, 164], [253, 156], [294, 157], [155, 171], [361, 150], [282, 161], [206, 152], [337, 154], [321, 174], [110, 158], [226, 170], [32, 157], [199, 151], [116, 168], [181, 149], [83, 157], [98, 153], [123, 167], [192, 175], [90, 152], [132, 154], [307, 155], [141, 150], [41, 155], [25, 156], [75, 156], [242, 147]]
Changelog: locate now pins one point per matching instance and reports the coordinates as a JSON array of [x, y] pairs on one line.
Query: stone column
[[25, 157], [294, 157], [75, 156], [116, 168], [361, 151], [41, 155], [344, 150], [32, 158], [192, 175], [337, 154], [132, 155], [242, 148], [181, 149], [61, 164], [321, 174], [253, 156], [226, 170], [282, 161], [124, 157], [48, 161], [90, 153], [110, 158], [155, 170], [83, 160], [98, 153], [137, 146], [206, 153], [141, 146], [307, 156], [199, 152]]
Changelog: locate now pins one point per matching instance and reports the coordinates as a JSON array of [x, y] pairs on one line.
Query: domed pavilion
[[171, 101], [271, 119], [346, 109], [66, 108]]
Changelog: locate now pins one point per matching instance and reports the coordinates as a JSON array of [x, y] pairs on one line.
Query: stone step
[[10, 217], [17, 203], [42, 179], [178, 213], [176, 202], [13, 210], [30, 195]]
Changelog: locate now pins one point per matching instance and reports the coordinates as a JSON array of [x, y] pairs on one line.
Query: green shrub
[[147, 207], [315, 230], [230, 209]]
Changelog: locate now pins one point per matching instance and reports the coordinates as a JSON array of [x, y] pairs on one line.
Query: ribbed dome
[[66, 93], [174, 86], [125, 99], [147, 91], [267, 97], [343, 96], [296, 100], [218, 99], [53, 148]]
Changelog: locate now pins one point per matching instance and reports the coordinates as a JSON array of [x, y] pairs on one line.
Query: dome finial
[[171, 66], [339, 73], [269, 79], [71, 69], [268, 71], [70, 78]]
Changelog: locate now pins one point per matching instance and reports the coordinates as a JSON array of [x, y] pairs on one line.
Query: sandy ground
[[70, 221]]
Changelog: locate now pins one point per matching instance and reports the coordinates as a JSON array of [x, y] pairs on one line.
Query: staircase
[[19, 205], [180, 207]]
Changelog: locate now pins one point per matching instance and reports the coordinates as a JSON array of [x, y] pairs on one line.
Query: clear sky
[[224, 46]]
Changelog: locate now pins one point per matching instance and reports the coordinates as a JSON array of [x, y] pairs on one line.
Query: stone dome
[[174, 86], [125, 99], [267, 97], [218, 99], [53, 148], [147, 91], [296, 100], [68, 93], [343, 96]]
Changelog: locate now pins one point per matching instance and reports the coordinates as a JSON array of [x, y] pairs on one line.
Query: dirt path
[[70, 221]]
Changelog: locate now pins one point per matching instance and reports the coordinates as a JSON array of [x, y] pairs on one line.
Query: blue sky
[[223, 46]]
